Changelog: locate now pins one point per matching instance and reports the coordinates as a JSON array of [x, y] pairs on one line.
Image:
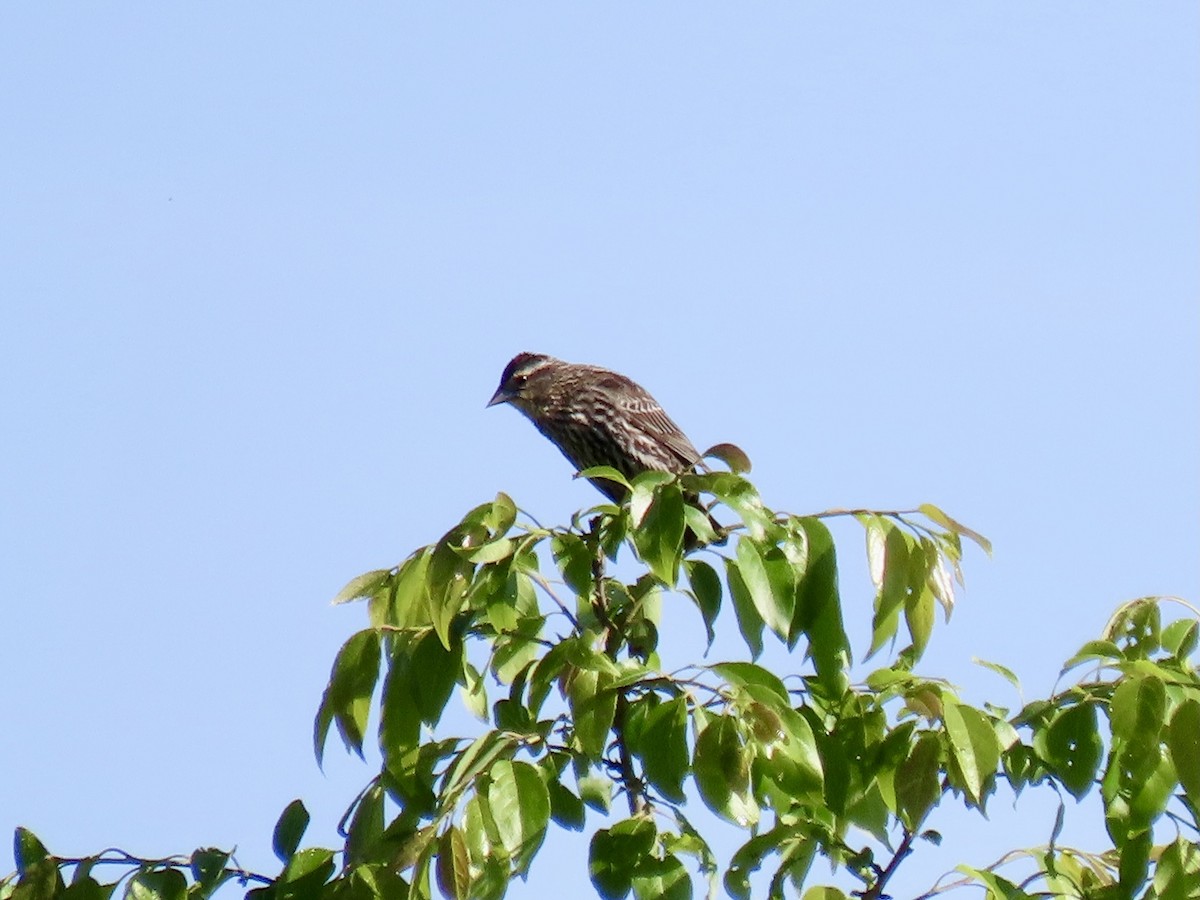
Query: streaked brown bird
[[596, 418]]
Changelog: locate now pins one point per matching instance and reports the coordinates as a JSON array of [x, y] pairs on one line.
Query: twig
[[875, 891], [124, 858]]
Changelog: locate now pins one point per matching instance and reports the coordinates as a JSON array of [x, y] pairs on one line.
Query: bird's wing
[[655, 423]]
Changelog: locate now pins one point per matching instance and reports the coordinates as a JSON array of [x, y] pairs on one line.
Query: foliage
[[558, 659]]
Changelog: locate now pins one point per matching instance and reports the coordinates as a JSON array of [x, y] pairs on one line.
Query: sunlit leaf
[[364, 586], [973, 746], [520, 806], [934, 514], [1003, 671], [593, 706], [661, 879], [740, 673], [1138, 707]]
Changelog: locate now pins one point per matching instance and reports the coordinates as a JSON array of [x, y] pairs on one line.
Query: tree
[[575, 712]]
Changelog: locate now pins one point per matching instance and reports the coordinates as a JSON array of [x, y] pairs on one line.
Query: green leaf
[[614, 854], [363, 587], [743, 673], [934, 514], [706, 591], [595, 790], [87, 888], [1137, 627], [663, 746], [973, 746], [1183, 740], [732, 455], [1000, 888], [208, 869], [890, 572], [520, 807], [1071, 746], [405, 602], [1138, 707], [722, 768], [661, 879], [289, 830], [1103, 651], [1178, 871], [819, 607], [434, 672], [1181, 637], [365, 831], [347, 699], [1004, 672], [750, 623], [824, 893], [608, 473], [314, 864], [918, 784], [774, 598], [446, 582], [593, 706], [659, 529], [565, 808], [157, 884], [27, 850], [453, 869]]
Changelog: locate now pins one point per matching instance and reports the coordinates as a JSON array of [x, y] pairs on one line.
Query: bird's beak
[[501, 396]]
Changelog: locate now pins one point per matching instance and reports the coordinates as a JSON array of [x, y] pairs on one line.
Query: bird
[[596, 417]]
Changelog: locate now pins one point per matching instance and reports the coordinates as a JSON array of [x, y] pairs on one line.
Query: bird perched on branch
[[597, 417]]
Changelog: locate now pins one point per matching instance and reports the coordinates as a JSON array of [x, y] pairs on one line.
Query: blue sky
[[262, 264]]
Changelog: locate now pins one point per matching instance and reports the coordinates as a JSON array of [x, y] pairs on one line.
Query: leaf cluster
[[557, 658]]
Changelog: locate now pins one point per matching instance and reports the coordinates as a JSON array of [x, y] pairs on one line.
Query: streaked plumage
[[596, 417]]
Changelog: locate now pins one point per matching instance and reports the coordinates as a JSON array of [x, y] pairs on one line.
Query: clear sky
[[261, 265]]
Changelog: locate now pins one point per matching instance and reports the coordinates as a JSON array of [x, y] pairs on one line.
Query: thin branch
[[540, 580], [124, 858], [875, 891]]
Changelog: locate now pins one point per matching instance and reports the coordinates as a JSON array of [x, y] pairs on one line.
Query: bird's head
[[524, 379]]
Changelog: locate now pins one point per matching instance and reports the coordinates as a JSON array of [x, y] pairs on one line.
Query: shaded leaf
[[750, 623], [289, 830], [722, 769], [614, 854], [732, 455], [453, 869], [663, 746], [706, 591], [1071, 745], [1183, 740]]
